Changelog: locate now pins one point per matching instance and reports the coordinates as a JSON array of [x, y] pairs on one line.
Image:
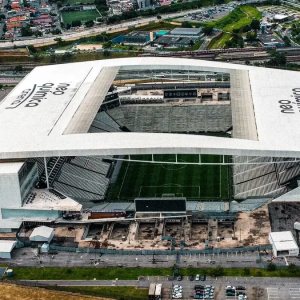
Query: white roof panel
[[7, 246], [42, 231], [283, 240]]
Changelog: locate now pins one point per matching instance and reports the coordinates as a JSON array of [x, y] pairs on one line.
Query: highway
[[101, 29]]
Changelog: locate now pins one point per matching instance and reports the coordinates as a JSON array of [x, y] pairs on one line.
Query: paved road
[[28, 257], [145, 282]]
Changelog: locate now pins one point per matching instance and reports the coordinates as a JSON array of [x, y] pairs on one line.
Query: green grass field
[[83, 16], [46, 273], [218, 42], [238, 18], [138, 179]]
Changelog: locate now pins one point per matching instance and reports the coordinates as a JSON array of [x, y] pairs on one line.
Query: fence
[[160, 252]]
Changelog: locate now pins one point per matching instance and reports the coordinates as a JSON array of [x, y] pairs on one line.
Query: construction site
[[194, 230]]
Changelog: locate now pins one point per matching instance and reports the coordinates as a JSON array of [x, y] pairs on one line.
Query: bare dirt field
[[13, 292]]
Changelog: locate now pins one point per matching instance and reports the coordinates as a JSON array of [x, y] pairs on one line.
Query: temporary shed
[[6, 248], [45, 248], [42, 234], [283, 243]]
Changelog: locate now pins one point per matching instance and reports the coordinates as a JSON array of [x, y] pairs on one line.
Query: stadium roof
[[51, 109]]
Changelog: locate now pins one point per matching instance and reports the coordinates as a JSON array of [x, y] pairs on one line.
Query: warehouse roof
[[186, 31], [7, 246], [283, 240]]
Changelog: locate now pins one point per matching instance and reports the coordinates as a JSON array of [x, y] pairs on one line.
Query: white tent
[[42, 234], [6, 248]]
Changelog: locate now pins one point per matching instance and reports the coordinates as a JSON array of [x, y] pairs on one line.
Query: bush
[[217, 271], [271, 267], [246, 271]]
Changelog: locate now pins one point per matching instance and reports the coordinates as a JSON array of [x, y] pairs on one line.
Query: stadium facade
[[64, 129]]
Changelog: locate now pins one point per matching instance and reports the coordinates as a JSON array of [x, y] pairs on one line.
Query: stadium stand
[[167, 118], [262, 179], [103, 122]]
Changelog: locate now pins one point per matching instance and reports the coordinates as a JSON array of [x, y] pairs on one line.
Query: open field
[[206, 182], [9, 292], [83, 16], [238, 18]]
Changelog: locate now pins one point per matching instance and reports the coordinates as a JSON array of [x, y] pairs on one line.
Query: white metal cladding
[[35, 129]]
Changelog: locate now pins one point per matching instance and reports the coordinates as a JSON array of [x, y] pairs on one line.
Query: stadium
[[164, 143]]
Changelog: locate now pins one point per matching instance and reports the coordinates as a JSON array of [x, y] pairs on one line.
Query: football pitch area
[[83, 16], [195, 182]]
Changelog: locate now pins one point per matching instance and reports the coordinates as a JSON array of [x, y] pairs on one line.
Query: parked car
[[179, 277], [203, 277], [201, 287], [197, 278], [191, 278], [241, 288]]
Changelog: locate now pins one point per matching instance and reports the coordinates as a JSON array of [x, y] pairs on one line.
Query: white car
[[230, 287], [197, 278]]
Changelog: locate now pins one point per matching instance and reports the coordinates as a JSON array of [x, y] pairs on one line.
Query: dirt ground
[[13, 292], [251, 228], [88, 47], [75, 232], [146, 231]]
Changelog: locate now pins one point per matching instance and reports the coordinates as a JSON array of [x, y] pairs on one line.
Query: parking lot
[[275, 293], [255, 288]]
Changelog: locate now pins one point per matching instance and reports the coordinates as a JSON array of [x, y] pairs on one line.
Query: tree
[[76, 23], [186, 24], [106, 53], [247, 62], [251, 36], [68, 26], [246, 28], [89, 23], [277, 59], [56, 31], [192, 43], [107, 45], [207, 30], [255, 24], [38, 33], [31, 49], [158, 17], [26, 31], [59, 4], [287, 41], [18, 68], [2, 16]]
